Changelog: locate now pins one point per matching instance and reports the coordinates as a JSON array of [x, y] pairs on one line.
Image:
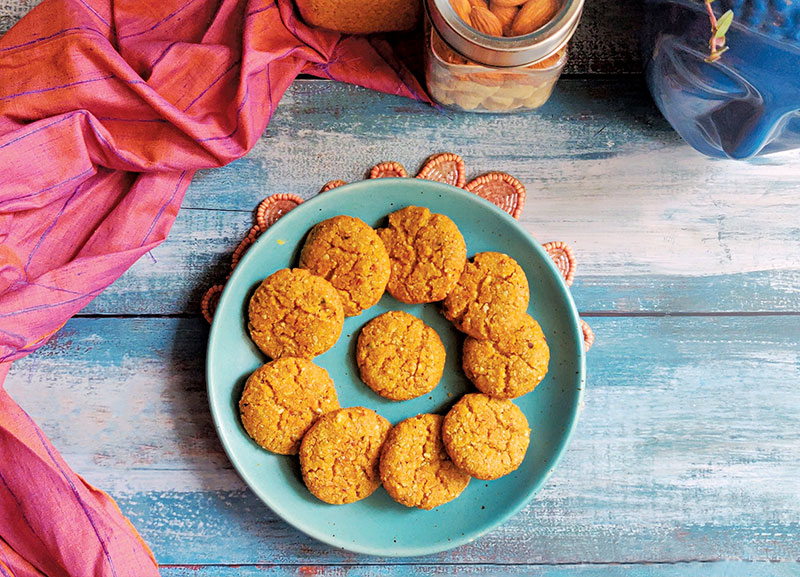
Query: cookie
[[340, 455], [294, 313], [415, 468], [348, 253], [486, 437], [282, 399], [510, 367], [427, 252], [399, 357], [490, 298]]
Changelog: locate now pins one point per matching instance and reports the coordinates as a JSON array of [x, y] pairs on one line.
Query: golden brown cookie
[[399, 357], [340, 455], [486, 437], [295, 314], [282, 399], [510, 367], [415, 468], [349, 254], [427, 252], [490, 298]]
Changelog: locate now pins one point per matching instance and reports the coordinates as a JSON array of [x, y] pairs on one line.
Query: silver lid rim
[[500, 51]]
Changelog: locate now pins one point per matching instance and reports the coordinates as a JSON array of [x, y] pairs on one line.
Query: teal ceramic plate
[[377, 525]]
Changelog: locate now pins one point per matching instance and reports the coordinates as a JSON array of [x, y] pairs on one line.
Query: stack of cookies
[[289, 406]]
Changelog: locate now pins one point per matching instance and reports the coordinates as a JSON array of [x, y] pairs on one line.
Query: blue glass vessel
[[747, 103]]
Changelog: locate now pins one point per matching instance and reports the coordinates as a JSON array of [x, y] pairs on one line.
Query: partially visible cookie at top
[[340, 455], [490, 298], [510, 367], [486, 437], [415, 468], [294, 313], [282, 399], [427, 252], [348, 253], [399, 356]]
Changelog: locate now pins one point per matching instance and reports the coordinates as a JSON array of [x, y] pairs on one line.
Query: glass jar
[[468, 70]]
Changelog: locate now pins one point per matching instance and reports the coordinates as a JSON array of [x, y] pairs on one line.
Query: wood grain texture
[[712, 569], [686, 449], [656, 227], [607, 40]]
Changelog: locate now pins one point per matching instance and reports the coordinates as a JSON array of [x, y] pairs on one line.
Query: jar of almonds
[[496, 55]]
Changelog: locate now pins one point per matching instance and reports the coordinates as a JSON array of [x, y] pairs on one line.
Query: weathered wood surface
[[607, 40], [712, 569], [656, 227], [686, 460], [687, 448]]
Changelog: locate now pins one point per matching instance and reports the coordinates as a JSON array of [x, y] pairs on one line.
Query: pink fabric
[[107, 108]]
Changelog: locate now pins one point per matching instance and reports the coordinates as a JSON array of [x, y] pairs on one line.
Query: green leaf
[[723, 24]]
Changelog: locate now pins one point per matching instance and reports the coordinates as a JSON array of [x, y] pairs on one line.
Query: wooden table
[[686, 459]]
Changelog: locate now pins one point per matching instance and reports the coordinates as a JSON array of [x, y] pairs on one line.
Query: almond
[[484, 21], [462, 8], [533, 15], [481, 3], [508, 2], [505, 14]]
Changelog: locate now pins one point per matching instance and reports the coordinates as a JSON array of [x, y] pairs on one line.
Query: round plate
[[378, 525]]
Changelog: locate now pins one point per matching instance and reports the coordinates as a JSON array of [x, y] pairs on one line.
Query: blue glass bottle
[[747, 102]]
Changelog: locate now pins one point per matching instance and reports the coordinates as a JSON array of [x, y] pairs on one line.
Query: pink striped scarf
[[106, 111]]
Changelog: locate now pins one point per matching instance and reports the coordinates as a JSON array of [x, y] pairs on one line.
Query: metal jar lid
[[500, 51]]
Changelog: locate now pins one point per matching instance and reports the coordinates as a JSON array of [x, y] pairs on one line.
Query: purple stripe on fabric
[[163, 208], [12, 141], [52, 186], [399, 72], [6, 562], [51, 305], [77, 495], [162, 55], [52, 224], [52, 88], [48, 287], [95, 12], [113, 149], [59, 33], [210, 86], [238, 116], [260, 10], [110, 119], [21, 510], [160, 22], [269, 92], [247, 94]]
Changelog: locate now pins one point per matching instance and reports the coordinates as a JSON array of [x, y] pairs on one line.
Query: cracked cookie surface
[[510, 367], [340, 455], [427, 253], [486, 437], [282, 399], [490, 297], [296, 314], [399, 356], [348, 253], [415, 468]]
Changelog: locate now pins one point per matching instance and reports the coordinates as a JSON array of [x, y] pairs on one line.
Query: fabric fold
[[107, 109]]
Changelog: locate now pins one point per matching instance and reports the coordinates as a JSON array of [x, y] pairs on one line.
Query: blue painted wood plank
[[655, 226], [686, 449], [711, 569]]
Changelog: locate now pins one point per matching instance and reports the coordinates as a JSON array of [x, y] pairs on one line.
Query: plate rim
[[467, 537]]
